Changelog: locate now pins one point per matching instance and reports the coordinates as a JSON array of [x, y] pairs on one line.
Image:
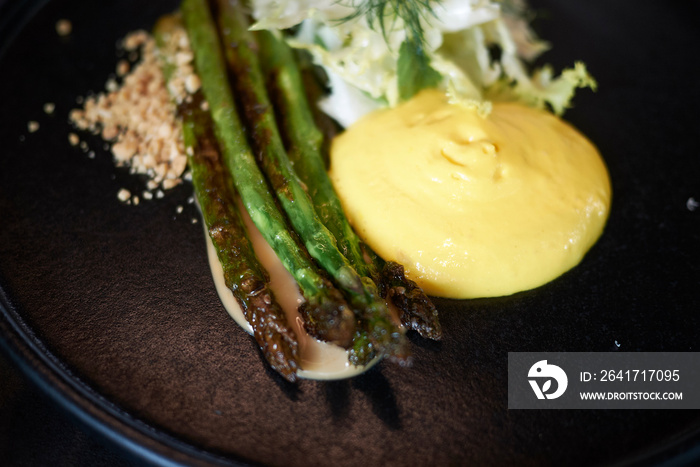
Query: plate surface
[[111, 308]]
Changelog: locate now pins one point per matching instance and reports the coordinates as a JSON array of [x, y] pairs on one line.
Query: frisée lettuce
[[379, 53]]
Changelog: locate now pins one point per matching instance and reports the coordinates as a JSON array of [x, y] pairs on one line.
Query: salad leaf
[[414, 71], [378, 53]]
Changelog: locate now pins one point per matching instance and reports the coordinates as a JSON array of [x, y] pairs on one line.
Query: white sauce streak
[[319, 360]]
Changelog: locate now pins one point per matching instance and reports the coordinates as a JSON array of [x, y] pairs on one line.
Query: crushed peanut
[[49, 108], [137, 39], [64, 27], [73, 139], [192, 83], [124, 195], [123, 68], [138, 116], [178, 53], [32, 126], [111, 85], [170, 183]]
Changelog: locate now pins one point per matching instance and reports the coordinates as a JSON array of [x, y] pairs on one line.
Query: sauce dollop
[[472, 205]]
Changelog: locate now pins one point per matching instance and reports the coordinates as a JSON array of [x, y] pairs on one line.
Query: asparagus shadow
[[417, 340], [377, 388], [338, 398]]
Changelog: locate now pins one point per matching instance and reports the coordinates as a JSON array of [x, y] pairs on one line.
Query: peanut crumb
[[136, 39], [139, 117], [123, 195], [49, 108], [192, 83], [170, 183], [123, 68], [111, 85], [137, 112], [64, 27], [110, 132], [33, 126], [73, 139], [183, 58]]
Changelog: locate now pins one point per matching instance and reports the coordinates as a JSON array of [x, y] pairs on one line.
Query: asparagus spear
[[243, 274], [327, 315], [305, 141], [385, 336]]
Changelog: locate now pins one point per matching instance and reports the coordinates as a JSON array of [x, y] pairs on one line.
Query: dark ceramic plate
[[111, 308]]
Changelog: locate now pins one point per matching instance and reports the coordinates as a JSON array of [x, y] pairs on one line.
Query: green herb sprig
[[379, 12], [413, 67]]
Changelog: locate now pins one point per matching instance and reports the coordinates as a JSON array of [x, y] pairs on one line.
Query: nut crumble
[[138, 117], [64, 27]]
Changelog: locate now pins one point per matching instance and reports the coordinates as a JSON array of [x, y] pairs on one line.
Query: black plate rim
[[111, 423]]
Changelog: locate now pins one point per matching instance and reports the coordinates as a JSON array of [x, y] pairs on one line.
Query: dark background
[[34, 430], [644, 116]]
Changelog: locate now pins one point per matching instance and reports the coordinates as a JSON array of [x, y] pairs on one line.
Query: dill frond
[[385, 13]]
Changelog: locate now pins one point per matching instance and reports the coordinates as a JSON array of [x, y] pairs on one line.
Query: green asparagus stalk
[[305, 141], [327, 315], [241, 52], [243, 274]]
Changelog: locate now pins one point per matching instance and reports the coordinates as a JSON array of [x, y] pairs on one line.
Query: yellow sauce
[[472, 206]]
